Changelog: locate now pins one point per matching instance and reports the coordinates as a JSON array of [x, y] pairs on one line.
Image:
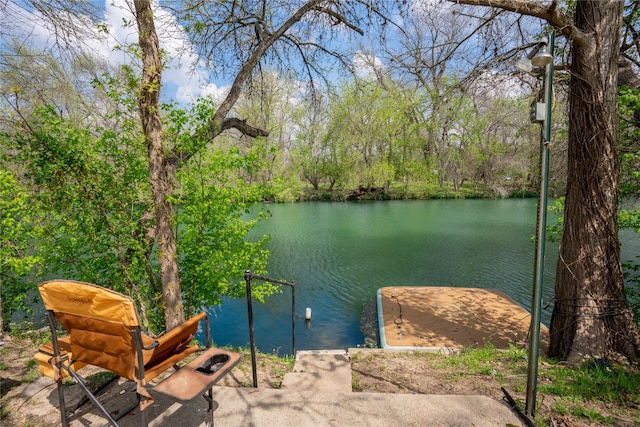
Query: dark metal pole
[[293, 321], [252, 340], [536, 308]]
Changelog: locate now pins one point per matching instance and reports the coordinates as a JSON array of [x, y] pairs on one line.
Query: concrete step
[[297, 408], [320, 370]]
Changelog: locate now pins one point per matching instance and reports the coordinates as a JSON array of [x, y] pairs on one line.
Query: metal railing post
[[252, 340], [248, 276]]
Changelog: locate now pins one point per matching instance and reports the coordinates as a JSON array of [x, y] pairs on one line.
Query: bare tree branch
[[549, 12], [247, 30], [340, 19], [242, 126]]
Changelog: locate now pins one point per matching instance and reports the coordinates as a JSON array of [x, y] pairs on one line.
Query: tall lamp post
[[540, 56]]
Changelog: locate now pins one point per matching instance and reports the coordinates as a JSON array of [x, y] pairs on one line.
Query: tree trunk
[[159, 174], [591, 317]]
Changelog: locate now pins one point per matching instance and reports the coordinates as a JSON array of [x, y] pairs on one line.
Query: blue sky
[[184, 78], [183, 82]]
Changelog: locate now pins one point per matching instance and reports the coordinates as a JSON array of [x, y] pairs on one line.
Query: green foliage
[[309, 150], [629, 107], [474, 360], [371, 137], [92, 183], [18, 231], [96, 227], [213, 217], [381, 133], [287, 191], [554, 229], [572, 390], [27, 330], [629, 219]]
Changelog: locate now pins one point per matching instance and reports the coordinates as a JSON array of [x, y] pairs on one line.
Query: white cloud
[[184, 77], [368, 66], [189, 90], [495, 85], [431, 7]]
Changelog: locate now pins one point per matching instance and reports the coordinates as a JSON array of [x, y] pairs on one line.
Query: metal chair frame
[[62, 363]]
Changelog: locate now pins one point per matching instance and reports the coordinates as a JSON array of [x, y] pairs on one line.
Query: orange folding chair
[[104, 330]]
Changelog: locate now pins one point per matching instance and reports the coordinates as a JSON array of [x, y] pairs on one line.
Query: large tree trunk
[[159, 174], [591, 317]]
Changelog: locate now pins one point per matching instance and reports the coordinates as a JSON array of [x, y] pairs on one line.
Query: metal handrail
[[248, 276]]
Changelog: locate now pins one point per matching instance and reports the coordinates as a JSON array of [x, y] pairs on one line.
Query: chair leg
[[143, 413], [213, 405], [63, 408], [90, 395]]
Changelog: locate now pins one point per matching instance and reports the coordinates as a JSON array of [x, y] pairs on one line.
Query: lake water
[[339, 254]]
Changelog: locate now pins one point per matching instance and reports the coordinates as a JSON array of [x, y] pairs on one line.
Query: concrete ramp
[[322, 370]]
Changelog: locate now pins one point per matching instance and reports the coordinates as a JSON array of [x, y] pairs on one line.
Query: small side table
[[198, 376]]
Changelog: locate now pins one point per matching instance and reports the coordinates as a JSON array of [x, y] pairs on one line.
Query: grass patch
[[33, 373], [4, 412], [355, 382], [273, 365], [606, 383], [473, 361], [596, 391], [27, 331], [97, 380]]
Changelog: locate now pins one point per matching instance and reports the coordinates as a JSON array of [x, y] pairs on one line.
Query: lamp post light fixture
[[540, 56]]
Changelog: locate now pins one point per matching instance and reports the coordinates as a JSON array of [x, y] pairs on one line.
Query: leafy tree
[[212, 200], [269, 102], [90, 183], [428, 54], [18, 230], [93, 181], [309, 150], [246, 35], [370, 126], [493, 139]]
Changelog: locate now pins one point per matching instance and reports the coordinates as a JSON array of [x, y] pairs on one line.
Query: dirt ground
[[388, 371], [373, 370]]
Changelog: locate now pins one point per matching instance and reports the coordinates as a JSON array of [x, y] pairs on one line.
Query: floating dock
[[449, 319]]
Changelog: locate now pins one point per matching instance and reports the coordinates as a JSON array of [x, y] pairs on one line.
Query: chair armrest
[[151, 346], [173, 343], [45, 353]]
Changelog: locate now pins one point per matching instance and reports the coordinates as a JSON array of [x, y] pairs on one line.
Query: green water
[[339, 254]]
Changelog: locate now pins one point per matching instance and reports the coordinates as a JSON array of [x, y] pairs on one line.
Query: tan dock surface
[[451, 318]]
